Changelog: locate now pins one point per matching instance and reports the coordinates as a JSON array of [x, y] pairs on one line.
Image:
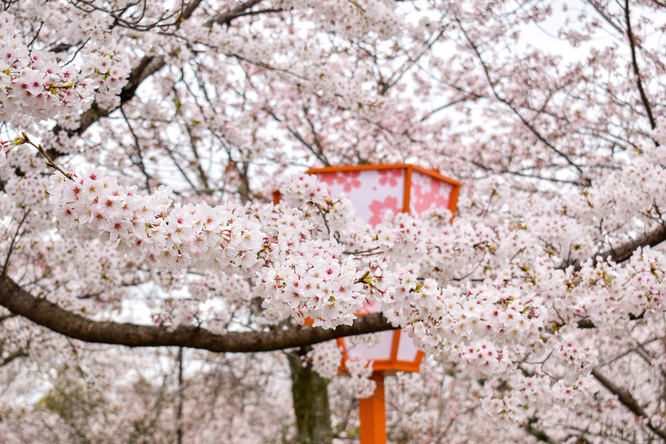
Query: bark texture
[[53, 317], [310, 395]]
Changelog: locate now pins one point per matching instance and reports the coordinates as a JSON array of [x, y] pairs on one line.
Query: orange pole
[[407, 193], [373, 414]]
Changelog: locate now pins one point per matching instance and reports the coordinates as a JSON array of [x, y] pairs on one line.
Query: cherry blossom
[[140, 145]]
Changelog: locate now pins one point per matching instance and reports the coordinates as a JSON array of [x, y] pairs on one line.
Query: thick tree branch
[[55, 318], [623, 252], [627, 400], [226, 17]]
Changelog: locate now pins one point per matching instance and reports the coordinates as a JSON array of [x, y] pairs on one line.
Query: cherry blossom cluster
[[235, 289], [305, 268], [353, 19], [310, 274], [299, 274], [326, 358], [30, 190], [223, 238], [5, 147], [528, 392], [98, 273], [359, 378], [36, 83], [478, 326], [321, 284]]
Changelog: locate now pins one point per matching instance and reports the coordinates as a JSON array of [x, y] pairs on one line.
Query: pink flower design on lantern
[[378, 208], [434, 193], [349, 179], [389, 177], [328, 178]]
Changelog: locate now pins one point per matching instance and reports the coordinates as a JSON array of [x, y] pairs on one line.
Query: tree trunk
[[309, 390]]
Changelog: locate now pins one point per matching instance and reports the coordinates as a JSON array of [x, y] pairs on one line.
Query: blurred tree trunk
[[309, 390]]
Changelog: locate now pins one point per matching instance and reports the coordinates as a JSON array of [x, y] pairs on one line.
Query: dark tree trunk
[[309, 390]]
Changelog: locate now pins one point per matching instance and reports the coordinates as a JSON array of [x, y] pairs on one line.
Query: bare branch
[[507, 102], [637, 72]]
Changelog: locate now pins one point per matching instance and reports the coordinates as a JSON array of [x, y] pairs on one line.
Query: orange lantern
[[374, 189]]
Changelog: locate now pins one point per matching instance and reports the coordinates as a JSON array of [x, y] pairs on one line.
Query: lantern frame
[[434, 173], [388, 366]]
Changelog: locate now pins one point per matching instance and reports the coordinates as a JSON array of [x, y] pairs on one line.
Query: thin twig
[[43, 152], [637, 72]]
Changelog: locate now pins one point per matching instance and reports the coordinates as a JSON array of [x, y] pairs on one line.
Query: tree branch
[[637, 72], [226, 17], [148, 66], [627, 400], [540, 435], [507, 102], [624, 251], [55, 318], [20, 353]]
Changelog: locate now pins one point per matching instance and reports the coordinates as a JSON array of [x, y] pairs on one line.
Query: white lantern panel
[[406, 350], [381, 350], [372, 192]]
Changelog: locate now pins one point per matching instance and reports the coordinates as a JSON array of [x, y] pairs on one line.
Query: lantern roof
[[432, 172]]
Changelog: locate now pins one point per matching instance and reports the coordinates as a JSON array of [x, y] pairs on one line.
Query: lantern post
[[374, 189]]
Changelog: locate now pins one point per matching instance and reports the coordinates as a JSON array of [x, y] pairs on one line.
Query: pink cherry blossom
[[144, 139]]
